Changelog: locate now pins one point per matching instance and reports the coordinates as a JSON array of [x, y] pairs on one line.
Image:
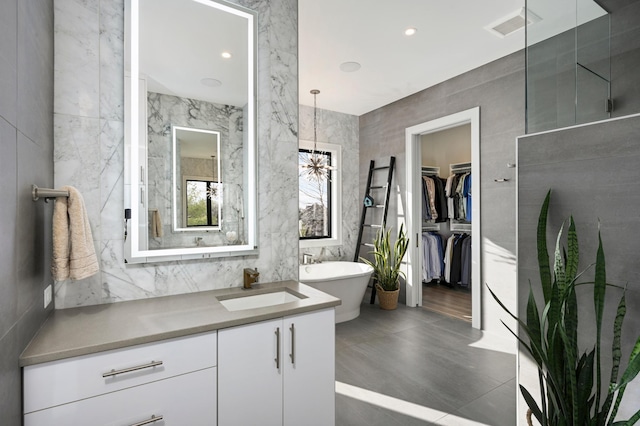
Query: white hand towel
[[74, 254]]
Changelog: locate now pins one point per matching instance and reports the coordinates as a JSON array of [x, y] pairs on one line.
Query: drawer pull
[[153, 419], [130, 369]]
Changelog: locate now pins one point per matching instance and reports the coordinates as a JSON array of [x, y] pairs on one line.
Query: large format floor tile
[[412, 366]]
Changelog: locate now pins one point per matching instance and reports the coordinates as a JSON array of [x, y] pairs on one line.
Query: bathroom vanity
[[229, 357]]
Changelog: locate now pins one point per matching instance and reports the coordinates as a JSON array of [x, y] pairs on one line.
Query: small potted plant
[[387, 259]]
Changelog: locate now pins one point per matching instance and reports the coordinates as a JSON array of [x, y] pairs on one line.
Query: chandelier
[[212, 187], [317, 166]]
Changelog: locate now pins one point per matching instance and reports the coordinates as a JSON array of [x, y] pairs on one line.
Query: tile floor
[[412, 366]]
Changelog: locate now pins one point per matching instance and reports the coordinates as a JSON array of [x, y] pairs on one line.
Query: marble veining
[[89, 153]]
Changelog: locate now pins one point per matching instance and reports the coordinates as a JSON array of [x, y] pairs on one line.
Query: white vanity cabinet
[[278, 372], [171, 382]]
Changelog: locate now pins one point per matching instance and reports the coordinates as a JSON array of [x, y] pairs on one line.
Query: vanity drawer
[[59, 382], [189, 399]]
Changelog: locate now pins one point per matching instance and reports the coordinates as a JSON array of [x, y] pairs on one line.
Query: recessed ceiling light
[[226, 55], [410, 31], [350, 66], [211, 82]]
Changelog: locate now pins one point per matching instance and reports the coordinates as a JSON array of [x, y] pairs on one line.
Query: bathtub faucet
[[250, 276], [307, 258]]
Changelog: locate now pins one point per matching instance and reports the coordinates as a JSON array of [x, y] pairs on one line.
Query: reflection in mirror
[[197, 184], [190, 175]]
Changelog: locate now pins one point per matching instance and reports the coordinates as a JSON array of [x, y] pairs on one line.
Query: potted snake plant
[[571, 388], [387, 260]]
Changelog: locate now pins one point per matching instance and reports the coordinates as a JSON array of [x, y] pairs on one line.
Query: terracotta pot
[[388, 299]]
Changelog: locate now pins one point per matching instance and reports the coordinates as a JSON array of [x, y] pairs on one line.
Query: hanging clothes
[[433, 256], [465, 267], [467, 196], [457, 260], [440, 199], [434, 199], [448, 255], [431, 196], [458, 192], [426, 210]]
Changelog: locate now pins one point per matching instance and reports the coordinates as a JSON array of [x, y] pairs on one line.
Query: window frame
[[200, 228], [335, 201]]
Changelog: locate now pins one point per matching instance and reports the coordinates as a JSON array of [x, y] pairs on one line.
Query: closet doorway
[[445, 153]]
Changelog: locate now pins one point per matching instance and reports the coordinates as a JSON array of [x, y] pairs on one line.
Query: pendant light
[[317, 166]]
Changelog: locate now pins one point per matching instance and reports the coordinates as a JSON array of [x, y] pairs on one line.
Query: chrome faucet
[[250, 276], [307, 258]]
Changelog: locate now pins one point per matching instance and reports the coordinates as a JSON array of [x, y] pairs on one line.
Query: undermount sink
[[242, 301]]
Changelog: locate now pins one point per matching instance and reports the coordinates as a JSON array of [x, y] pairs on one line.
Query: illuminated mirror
[[190, 154]]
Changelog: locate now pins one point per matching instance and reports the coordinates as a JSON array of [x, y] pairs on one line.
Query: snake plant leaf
[[616, 355], [620, 387], [633, 368], [571, 318], [632, 420], [599, 288], [573, 254], [536, 351], [585, 384], [558, 263], [533, 405], [543, 254], [533, 322], [570, 372]]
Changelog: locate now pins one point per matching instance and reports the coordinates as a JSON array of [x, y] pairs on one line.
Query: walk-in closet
[[447, 228]]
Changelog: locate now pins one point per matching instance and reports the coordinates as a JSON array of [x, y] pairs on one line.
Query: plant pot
[[388, 299]]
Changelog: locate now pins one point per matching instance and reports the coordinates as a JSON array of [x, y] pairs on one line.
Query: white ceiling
[[451, 40], [181, 43]]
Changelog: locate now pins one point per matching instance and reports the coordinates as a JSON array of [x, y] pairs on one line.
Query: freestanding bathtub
[[344, 280]]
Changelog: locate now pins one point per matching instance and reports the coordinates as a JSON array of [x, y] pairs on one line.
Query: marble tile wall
[[339, 129], [26, 153], [89, 152], [164, 110]]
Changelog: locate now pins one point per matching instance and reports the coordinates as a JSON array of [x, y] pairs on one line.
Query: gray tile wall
[[26, 158], [593, 173], [498, 89]]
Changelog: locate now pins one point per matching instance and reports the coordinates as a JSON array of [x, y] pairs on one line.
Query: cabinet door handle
[[153, 419], [130, 369], [293, 343], [277, 348]]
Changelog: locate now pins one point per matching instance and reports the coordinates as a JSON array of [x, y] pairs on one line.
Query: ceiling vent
[[511, 23]]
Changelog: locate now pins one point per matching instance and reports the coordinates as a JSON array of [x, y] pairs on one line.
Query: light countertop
[[90, 329]]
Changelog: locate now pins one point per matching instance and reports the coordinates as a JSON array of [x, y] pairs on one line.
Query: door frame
[[413, 151]]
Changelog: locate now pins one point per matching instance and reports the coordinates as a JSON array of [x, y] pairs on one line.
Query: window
[[319, 209], [314, 211], [202, 202]]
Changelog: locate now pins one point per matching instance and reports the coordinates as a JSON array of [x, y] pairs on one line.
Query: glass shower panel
[[570, 41], [593, 92]]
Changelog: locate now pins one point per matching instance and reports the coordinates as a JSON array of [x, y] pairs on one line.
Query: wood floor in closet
[[453, 302]]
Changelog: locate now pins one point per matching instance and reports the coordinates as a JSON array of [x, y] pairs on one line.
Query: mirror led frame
[[134, 179], [178, 181]]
